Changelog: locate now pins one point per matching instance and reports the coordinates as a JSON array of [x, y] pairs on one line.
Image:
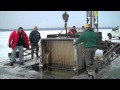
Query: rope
[[62, 30]]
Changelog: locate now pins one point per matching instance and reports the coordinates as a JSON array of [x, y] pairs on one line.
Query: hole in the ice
[[52, 73]]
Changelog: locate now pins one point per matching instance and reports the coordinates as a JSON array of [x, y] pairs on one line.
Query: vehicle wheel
[[119, 37], [109, 36], [104, 52]]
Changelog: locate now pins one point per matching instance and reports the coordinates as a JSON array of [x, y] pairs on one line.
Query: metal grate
[[61, 54]]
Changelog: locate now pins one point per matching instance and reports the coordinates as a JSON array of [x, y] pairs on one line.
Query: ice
[[17, 72]]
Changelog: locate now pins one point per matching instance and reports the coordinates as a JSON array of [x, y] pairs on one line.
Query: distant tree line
[[52, 29]]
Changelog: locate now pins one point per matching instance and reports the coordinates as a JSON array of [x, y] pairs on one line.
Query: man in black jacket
[[34, 38]]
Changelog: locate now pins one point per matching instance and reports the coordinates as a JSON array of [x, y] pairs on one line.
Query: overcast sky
[[51, 19]]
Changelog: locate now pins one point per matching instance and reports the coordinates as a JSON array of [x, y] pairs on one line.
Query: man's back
[[90, 39]]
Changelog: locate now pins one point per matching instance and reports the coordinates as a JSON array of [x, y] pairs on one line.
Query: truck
[[115, 33]]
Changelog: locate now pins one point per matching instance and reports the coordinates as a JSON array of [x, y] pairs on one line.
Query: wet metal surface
[[62, 53]]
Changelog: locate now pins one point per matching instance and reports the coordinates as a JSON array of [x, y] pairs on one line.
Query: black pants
[[33, 48]]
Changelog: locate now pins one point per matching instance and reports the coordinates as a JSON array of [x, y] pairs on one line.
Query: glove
[[9, 46]]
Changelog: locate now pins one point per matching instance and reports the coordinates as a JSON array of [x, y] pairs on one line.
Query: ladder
[[107, 58], [111, 54]]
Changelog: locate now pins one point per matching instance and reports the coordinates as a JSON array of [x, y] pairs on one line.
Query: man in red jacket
[[73, 30], [17, 40]]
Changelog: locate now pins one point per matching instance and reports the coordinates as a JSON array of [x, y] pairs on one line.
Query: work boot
[[14, 60], [22, 64], [11, 64]]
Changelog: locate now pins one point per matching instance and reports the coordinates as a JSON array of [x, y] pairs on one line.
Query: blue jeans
[[20, 48]]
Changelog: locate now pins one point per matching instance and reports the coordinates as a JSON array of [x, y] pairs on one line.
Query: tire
[[119, 37], [109, 36], [104, 52]]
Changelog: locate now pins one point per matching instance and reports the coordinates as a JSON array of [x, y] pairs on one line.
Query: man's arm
[[10, 39], [39, 36], [79, 40], [30, 37], [70, 32], [75, 31], [26, 40]]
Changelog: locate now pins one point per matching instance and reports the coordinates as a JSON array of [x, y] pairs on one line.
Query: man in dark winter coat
[[34, 39]]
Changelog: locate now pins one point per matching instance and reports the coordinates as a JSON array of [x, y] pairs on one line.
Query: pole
[[66, 24], [66, 27], [97, 23], [91, 19], [87, 16]]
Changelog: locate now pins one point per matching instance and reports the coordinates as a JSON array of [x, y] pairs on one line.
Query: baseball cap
[[87, 26]]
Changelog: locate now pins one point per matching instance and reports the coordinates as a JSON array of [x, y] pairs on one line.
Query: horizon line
[[57, 28]]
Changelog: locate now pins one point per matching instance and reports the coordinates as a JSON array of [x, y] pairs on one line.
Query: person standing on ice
[[73, 30], [90, 41], [34, 39], [18, 40], [81, 30]]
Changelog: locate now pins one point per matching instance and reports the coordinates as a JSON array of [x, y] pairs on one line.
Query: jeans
[[20, 48]]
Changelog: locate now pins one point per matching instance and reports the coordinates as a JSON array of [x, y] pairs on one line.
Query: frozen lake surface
[[18, 72]]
